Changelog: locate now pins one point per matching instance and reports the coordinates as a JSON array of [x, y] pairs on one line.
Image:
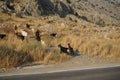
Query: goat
[[37, 34], [53, 34], [71, 51], [63, 49], [38, 37], [20, 33], [28, 26], [30, 31], [2, 36]]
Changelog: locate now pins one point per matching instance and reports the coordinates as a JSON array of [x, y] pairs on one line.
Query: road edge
[[59, 70]]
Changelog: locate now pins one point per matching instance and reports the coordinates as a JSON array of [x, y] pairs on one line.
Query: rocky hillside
[[88, 25], [100, 12]]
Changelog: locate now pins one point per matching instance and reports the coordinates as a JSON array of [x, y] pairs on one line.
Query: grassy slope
[[93, 41]]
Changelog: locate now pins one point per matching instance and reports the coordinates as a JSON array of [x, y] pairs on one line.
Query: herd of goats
[[23, 35]]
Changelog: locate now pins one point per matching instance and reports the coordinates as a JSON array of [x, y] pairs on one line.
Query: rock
[[105, 12]]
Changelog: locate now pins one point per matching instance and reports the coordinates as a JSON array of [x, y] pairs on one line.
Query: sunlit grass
[[88, 41]]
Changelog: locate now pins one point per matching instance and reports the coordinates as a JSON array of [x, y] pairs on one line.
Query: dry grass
[[88, 40], [10, 58], [94, 43], [14, 52]]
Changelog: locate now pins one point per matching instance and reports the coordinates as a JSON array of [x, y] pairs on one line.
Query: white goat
[[20, 33]]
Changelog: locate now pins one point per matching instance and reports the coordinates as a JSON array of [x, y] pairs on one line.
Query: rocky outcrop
[[105, 12], [20, 7]]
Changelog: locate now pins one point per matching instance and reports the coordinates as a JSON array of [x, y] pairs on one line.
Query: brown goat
[[28, 26], [37, 34]]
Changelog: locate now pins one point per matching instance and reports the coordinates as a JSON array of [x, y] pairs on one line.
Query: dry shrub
[[114, 35], [8, 28], [37, 53], [10, 58], [115, 52], [87, 44], [12, 42], [53, 58], [101, 48], [14, 52]]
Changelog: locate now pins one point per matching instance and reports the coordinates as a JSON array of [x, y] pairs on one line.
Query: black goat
[[37, 34], [2, 36], [53, 34], [63, 49], [71, 51]]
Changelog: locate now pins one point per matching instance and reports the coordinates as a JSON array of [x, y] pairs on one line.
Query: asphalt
[[111, 73]]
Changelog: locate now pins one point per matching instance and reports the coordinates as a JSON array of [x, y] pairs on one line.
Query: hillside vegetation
[[92, 27]]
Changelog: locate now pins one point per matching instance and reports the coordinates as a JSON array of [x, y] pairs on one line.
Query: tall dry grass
[[93, 42], [88, 40], [14, 52]]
